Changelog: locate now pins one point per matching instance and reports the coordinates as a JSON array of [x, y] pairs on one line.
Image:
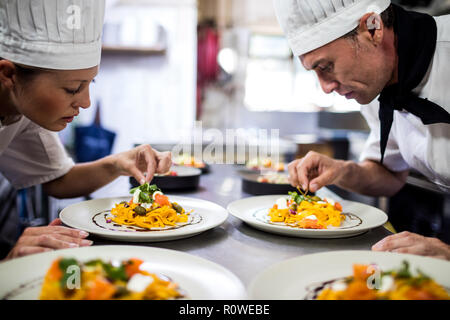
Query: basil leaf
[[115, 273]]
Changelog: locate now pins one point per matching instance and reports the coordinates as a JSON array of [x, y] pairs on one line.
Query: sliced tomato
[[162, 200], [311, 224], [133, 267], [100, 289], [55, 273]]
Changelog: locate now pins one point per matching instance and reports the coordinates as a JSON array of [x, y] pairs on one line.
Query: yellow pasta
[[155, 217], [308, 214], [104, 281], [403, 286]]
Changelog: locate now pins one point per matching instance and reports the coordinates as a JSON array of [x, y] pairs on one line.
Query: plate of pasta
[[147, 216], [354, 275], [116, 273], [301, 215]]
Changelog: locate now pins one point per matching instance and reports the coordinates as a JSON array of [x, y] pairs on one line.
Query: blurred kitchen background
[[172, 67]]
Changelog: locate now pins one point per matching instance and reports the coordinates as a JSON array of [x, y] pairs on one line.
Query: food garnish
[[306, 211], [70, 279], [370, 283], [149, 208]]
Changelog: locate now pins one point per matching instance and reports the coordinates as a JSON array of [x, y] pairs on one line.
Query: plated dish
[[273, 177], [149, 209], [265, 164], [354, 275], [306, 212], [355, 218], [190, 161], [105, 280], [368, 282], [173, 270], [147, 216], [265, 184]]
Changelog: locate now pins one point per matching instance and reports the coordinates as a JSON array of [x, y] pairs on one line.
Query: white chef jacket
[[30, 154], [411, 144]]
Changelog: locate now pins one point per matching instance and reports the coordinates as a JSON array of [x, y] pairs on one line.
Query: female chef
[[50, 53]]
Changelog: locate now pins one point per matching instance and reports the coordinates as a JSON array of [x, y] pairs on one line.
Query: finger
[[137, 174], [323, 179], [164, 161], [303, 170], [49, 241], [55, 222], [414, 249], [150, 159], [292, 169], [395, 241], [80, 242], [36, 231]]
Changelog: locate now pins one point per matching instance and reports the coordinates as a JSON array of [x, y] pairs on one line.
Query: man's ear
[[7, 74], [371, 28]]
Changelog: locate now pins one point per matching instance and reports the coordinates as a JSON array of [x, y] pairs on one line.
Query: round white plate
[[254, 211], [199, 278], [89, 216], [293, 279]]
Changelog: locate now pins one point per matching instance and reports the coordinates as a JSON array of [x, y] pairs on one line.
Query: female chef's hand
[[412, 243], [53, 236], [314, 171], [143, 159]]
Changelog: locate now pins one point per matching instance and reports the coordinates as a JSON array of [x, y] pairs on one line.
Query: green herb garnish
[[147, 190]]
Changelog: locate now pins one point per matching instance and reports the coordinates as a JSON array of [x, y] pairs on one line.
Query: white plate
[[199, 278], [294, 278], [88, 216], [254, 211]]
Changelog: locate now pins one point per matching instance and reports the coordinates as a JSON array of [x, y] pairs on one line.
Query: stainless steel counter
[[240, 248]]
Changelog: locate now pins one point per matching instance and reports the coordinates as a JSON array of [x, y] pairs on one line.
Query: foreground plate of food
[[116, 272], [307, 216], [354, 275], [146, 216]]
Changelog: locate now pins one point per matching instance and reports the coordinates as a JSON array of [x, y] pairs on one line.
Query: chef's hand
[[412, 243], [143, 159], [314, 171], [48, 238]]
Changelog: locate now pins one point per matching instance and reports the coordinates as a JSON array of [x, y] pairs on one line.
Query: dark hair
[[387, 16], [25, 73]]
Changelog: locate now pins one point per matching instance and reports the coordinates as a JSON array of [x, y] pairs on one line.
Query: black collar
[[416, 44]]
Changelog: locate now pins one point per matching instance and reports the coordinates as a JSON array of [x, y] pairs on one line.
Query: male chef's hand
[[412, 243], [143, 159], [48, 238], [314, 171]]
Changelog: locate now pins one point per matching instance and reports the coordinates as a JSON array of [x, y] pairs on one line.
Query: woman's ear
[[8, 74], [371, 28]]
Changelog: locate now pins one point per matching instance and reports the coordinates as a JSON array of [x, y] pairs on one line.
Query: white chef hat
[[52, 34], [311, 24]]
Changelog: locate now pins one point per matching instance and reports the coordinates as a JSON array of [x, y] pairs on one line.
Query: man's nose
[[328, 85]]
